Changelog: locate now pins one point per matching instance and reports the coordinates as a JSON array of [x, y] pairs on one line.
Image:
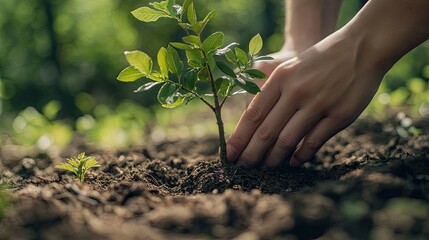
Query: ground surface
[[366, 183]]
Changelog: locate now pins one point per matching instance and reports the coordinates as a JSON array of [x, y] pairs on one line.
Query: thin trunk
[[222, 142], [218, 112]]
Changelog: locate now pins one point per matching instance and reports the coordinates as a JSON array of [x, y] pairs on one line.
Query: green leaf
[[146, 14], [211, 63], [67, 167], [162, 61], [147, 86], [182, 46], [211, 53], [255, 73], [223, 86], [140, 60], [226, 69], [230, 56], [195, 58], [199, 26], [73, 162], [130, 74], [263, 58], [249, 87], [91, 163], [213, 42], [169, 97], [255, 45], [185, 5], [203, 74], [175, 65], [157, 77], [191, 78], [209, 16], [159, 5], [192, 40], [242, 56], [169, 6], [192, 15]]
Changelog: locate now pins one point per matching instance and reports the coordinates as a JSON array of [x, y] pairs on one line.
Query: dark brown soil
[[366, 183]]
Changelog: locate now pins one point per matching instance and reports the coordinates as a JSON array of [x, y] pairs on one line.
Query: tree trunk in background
[[68, 108]]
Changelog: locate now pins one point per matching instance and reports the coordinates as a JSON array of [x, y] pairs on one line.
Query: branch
[[195, 94]]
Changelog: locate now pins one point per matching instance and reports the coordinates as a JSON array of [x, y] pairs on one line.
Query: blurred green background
[[60, 58]]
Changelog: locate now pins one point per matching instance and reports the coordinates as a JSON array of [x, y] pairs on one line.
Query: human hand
[[306, 99], [268, 67]]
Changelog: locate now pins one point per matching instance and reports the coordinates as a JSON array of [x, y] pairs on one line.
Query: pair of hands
[[307, 99]]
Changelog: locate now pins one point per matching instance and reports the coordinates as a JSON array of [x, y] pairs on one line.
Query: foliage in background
[[117, 127], [31, 127], [104, 126], [54, 49], [79, 165]]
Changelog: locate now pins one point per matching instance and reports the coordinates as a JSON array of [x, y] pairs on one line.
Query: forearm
[[309, 21], [385, 30]]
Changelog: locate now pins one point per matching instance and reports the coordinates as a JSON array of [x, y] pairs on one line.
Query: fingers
[[318, 136], [266, 134], [298, 126], [250, 120]]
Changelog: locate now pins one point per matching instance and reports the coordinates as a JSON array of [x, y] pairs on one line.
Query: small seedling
[[180, 83], [79, 165]]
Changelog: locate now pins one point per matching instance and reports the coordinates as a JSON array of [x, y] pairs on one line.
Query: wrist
[[298, 44], [381, 40]]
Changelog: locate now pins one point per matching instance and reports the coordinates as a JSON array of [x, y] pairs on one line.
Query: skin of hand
[[308, 22], [268, 67], [313, 96]]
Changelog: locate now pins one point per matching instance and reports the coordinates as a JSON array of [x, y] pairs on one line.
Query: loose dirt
[[365, 183]]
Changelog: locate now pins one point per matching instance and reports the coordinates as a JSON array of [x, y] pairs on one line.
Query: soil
[[365, 183]]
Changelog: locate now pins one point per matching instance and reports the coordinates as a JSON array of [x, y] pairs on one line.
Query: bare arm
[[315, 95], [308, 22]]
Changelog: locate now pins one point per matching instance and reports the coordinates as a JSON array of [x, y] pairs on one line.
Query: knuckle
[[299, 91], [345, 115], [285, 142], [236, 140], [312, 145], [266, 133], [254, 113]]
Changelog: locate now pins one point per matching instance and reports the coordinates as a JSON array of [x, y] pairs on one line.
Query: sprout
[[79, 165]]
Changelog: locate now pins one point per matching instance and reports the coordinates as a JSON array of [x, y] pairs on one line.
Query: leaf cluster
[[79, 165], [181, 81]]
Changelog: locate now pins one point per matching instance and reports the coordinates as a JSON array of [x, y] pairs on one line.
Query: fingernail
[[294, 162], [231, 153]]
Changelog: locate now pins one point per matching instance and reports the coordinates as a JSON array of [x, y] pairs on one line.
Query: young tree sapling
[[180, 84]]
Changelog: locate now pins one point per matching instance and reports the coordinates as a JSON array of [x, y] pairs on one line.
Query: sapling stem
[[218, 114]]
